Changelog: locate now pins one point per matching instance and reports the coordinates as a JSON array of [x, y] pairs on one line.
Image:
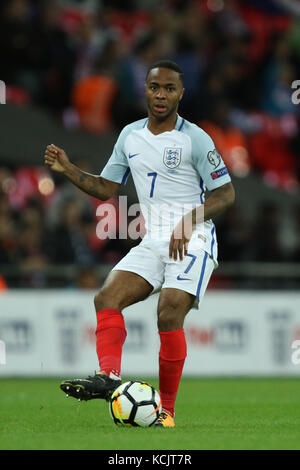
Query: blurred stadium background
[[74, 74]]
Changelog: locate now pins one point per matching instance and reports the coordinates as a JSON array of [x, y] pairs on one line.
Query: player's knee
[[104, 300], [169, 318]]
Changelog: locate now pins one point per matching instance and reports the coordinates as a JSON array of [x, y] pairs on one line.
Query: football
[[135, 403]]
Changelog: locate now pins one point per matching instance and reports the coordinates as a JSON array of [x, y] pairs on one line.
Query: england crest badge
[[172, 157]]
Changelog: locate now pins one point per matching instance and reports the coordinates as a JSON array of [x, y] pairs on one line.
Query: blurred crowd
[[84, 61], [45, 222]]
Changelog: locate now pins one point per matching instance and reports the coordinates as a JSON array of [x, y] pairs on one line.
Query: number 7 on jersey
[[154, 175]]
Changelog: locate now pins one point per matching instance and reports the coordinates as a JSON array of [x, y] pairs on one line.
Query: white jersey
[[171, 172]]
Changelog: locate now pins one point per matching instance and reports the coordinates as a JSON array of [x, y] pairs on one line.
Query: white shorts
[[150, 259]]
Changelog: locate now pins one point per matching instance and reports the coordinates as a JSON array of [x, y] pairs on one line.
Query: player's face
[[164, 90]]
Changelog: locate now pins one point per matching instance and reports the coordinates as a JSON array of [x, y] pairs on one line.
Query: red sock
[[110, 337], [172, 355]]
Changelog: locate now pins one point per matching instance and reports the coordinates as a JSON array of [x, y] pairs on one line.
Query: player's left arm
[[219, 200], [214, 174]]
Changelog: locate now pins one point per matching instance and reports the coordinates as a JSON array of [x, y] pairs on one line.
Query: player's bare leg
[[121, 289], [173, 305]]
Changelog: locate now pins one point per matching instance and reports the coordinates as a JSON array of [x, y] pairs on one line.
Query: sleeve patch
[[218, 173], [214, 158]]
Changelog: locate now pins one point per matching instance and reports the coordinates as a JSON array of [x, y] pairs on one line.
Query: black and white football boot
[[97, 386]]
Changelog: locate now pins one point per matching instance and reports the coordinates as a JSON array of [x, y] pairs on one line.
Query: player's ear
[[182, 93]]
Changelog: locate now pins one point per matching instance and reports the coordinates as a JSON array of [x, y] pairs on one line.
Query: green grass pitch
[[235, 413]]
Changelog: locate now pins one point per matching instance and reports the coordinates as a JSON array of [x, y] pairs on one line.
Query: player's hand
[[56, 158], [180, 238]]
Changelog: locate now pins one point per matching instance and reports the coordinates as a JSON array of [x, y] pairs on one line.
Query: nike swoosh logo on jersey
[[179, 278], [130, 156]]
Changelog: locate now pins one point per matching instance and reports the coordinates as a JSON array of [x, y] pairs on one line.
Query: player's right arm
[[57, 160]]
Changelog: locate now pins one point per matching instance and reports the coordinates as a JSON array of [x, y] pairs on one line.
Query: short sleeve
[[117, 169], [207, 160]]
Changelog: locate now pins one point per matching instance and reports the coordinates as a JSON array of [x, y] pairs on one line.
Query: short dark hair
[[166, 64]]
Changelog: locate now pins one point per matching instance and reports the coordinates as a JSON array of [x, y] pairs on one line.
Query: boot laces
[[163, 415]]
